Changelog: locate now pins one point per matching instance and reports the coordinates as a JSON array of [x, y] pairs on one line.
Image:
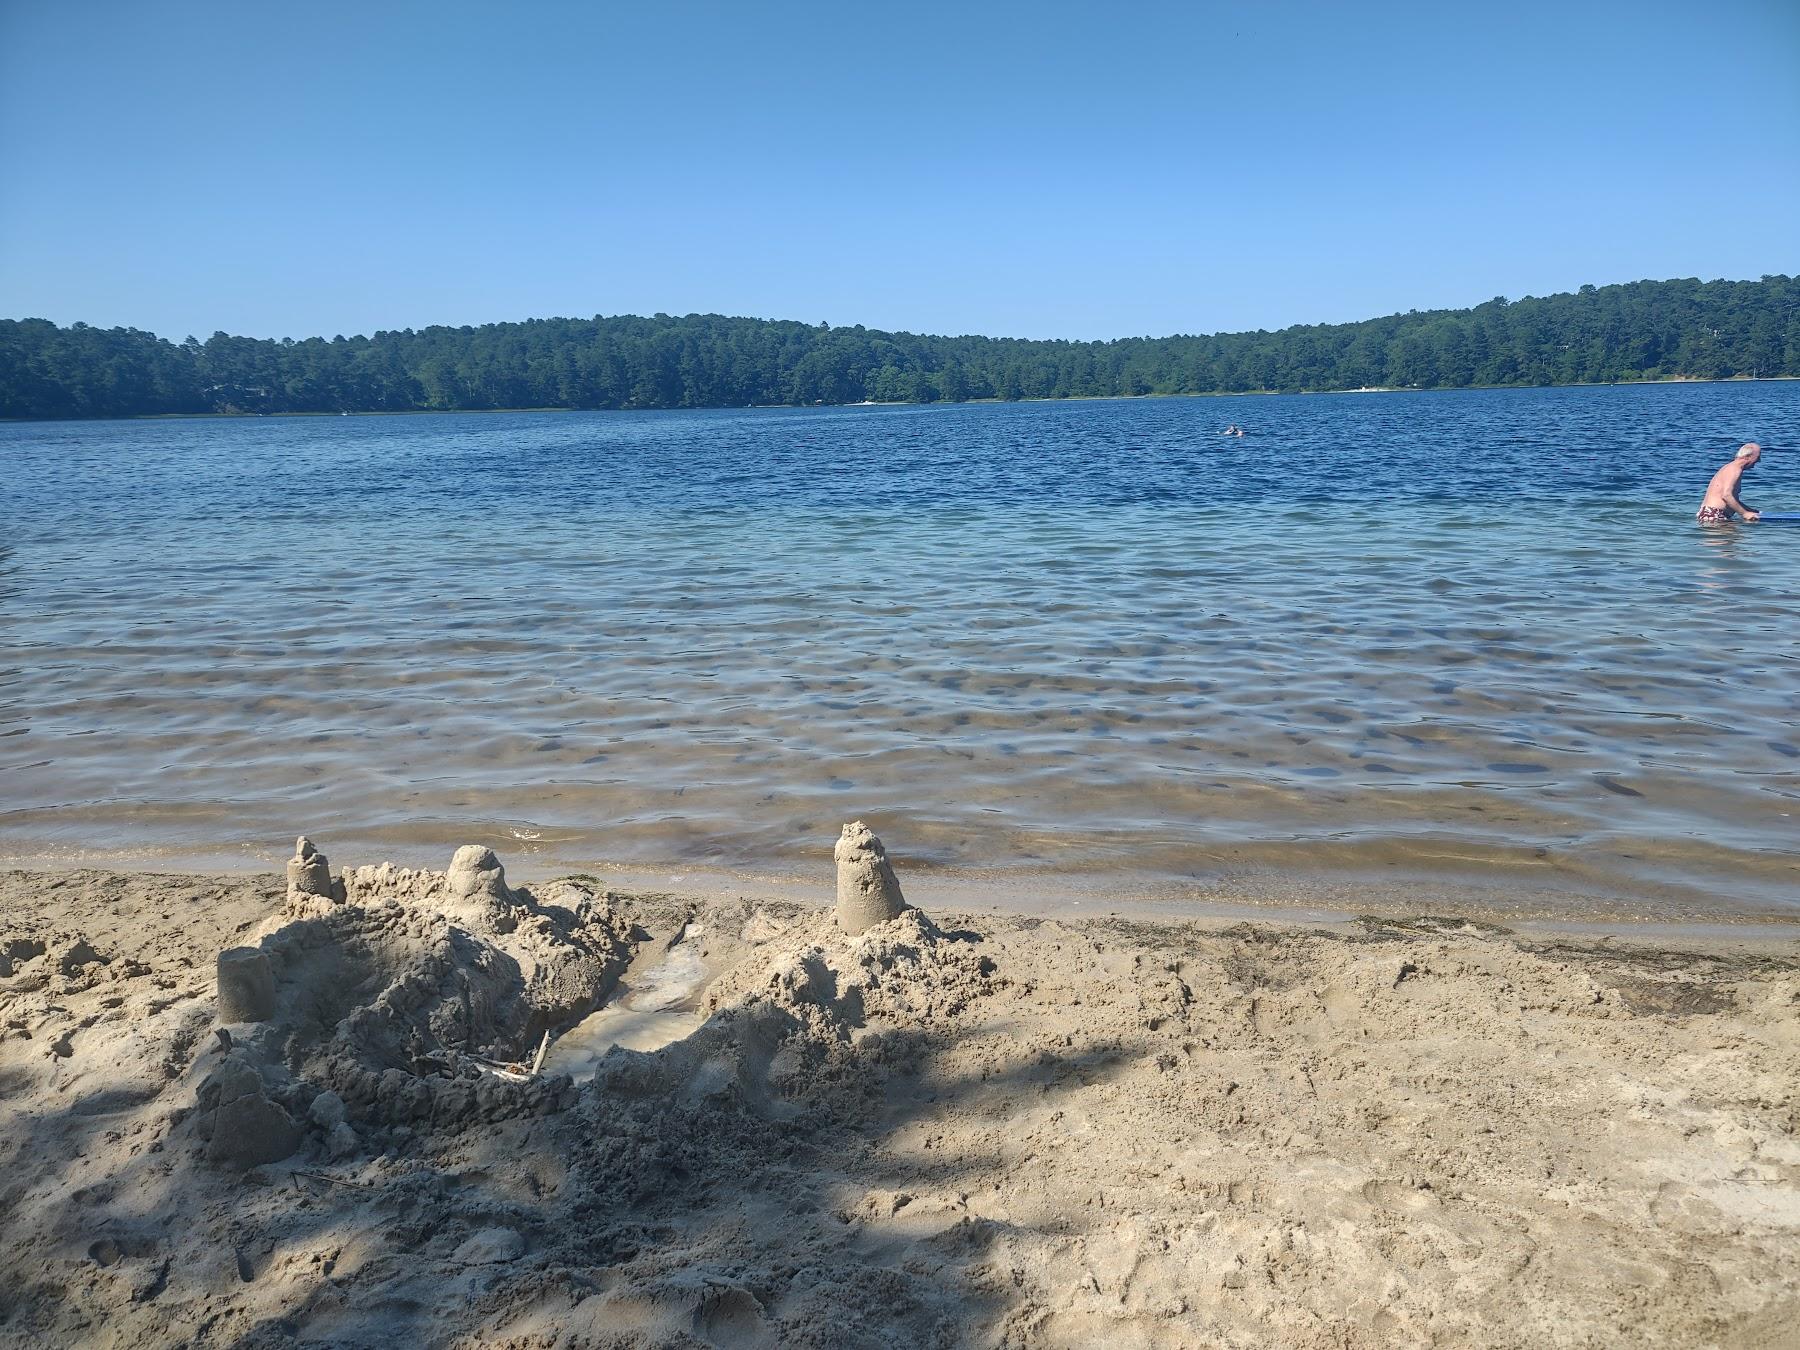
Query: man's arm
[[1729, 492], [1745, 511]]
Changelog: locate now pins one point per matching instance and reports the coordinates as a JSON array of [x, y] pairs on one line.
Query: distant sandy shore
[[956, 403], [952, 1129]]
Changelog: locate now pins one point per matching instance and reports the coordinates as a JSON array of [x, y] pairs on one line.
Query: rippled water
[[1445, 635]]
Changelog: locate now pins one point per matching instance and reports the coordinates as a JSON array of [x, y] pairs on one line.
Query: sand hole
[[652, 1008]]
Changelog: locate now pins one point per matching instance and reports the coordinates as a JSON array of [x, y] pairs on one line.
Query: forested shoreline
[[1640, 330]]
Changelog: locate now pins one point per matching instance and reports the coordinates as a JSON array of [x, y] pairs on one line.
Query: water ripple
[[1433, 631]]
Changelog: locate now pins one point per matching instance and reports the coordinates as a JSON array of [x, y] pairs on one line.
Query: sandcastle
[[868, 893], [392, 997]]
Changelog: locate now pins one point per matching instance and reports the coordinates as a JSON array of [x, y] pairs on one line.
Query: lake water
[[1462, 640]]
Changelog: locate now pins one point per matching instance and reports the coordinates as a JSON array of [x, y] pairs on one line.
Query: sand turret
[[308, 871], [476, 871], [868, 893], [246, 985]]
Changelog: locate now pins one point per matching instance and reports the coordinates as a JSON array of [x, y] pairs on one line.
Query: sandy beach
[[969, 677], [752, 1127]]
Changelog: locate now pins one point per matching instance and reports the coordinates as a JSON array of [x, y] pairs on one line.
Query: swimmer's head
[[1749, 454]]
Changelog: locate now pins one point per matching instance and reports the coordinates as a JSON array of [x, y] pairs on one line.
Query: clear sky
[[1039, 169]]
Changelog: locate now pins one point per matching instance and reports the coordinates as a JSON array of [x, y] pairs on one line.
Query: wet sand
[[964, 1126]]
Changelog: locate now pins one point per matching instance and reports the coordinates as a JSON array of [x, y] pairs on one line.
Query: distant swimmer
[[1721, 494], [1233, 430]]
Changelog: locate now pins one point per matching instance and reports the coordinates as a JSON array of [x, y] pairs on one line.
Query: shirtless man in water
[[1721, 494]]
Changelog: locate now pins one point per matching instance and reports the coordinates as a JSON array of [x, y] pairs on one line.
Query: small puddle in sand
[[649, 1010]]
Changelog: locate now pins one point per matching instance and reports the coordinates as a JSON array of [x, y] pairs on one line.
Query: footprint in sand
[[1396, 1197]]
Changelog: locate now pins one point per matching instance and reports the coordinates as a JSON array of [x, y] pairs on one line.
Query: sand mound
[[811, 1016]]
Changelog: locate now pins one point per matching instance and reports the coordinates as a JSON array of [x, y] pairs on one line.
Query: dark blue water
[[1472, 636]]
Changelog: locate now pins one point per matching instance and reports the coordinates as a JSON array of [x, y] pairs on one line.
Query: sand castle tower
[[868, 893], [308, 871], [476, 871], [246, 985]]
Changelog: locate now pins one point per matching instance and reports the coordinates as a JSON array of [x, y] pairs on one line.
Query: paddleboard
[[1782, 517]]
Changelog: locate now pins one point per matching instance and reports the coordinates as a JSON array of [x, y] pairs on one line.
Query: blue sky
[[1043, 170]]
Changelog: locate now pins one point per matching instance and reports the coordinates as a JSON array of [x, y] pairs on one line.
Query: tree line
[[1641, 330]]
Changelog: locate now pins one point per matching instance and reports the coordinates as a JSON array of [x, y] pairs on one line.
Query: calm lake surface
[[1455, 640]]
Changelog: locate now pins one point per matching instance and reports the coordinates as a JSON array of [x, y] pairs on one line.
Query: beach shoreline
[[901, 403], [1327, 892], [967, 1125]]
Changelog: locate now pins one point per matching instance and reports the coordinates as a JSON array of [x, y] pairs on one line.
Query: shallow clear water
[[1469, 634]]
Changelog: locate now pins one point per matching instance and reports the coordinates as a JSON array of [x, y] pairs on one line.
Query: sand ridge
[[941, 1130]]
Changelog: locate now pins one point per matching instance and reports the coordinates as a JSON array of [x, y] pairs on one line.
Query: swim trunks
[[1713, 515]]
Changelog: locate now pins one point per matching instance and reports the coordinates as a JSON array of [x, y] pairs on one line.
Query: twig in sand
[[513, 1073], [537, 1065]]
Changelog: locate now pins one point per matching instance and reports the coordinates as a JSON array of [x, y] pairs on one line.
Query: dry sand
[[947, 1130]]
